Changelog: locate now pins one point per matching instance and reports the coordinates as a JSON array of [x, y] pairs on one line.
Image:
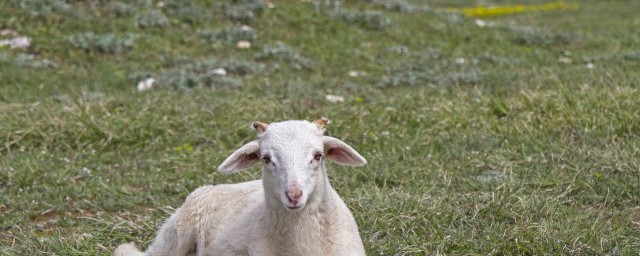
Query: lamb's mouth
[[294, 207]]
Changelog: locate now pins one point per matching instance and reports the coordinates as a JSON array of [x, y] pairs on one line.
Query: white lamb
[[293, 210]]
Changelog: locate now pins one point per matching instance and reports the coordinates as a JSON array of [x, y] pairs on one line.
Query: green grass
[[480, 140]]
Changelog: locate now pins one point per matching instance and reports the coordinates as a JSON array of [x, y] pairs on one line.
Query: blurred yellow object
[[489, 11]]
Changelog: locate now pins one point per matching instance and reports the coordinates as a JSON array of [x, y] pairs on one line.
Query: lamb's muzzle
[[293, 194]]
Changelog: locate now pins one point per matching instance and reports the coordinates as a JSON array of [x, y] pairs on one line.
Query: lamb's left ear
[[241, 159], [341, 153]]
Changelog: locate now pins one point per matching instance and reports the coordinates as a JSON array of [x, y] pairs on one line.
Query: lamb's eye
[[266, 159], [317, 156]]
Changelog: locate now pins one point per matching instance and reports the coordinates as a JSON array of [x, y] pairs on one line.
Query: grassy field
[[514, 134]]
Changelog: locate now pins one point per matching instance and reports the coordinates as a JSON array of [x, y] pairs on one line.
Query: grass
[[520, 137]]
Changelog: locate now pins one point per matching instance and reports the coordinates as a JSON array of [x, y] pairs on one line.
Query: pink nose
[[294, 194]]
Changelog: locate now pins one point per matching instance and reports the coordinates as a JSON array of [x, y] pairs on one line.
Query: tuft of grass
[[187, 12], [244, 11], [283, 53], [151, 18], [230, 35], [400, 6], [531, 36], [27, 60], [122, 9], [367, 19], [183, 73], [102, 43], [45, 7], [632, 55]]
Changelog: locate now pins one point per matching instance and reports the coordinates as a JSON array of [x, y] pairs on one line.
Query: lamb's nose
[[294, 195]]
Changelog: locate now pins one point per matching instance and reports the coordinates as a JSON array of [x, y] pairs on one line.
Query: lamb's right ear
[[341, 153], [241, 159]]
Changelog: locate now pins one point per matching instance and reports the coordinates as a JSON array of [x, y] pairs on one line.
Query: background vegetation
[[511, 134]]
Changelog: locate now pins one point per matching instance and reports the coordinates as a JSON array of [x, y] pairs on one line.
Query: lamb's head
[[292, 153]]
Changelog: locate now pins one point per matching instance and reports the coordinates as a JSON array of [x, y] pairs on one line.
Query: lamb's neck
[[303, 232]]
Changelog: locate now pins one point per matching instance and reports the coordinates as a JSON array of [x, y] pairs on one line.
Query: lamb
[[292, 210]]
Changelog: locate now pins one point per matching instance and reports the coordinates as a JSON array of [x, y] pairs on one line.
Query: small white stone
[[590, 65], [565, 60], [334, 98], [219, 72], [146, 84], [356, 73], [244, 44], [16, 42], [460, 60], [246, 28], [480, 23]]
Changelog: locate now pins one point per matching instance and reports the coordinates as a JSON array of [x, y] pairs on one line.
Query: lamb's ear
[[241, 159], [341, 153]]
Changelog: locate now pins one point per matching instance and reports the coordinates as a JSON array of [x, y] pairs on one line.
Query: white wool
[[292, 210]]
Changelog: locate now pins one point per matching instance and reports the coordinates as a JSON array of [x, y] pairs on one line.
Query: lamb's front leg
[[169, 241], [173, 239]]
